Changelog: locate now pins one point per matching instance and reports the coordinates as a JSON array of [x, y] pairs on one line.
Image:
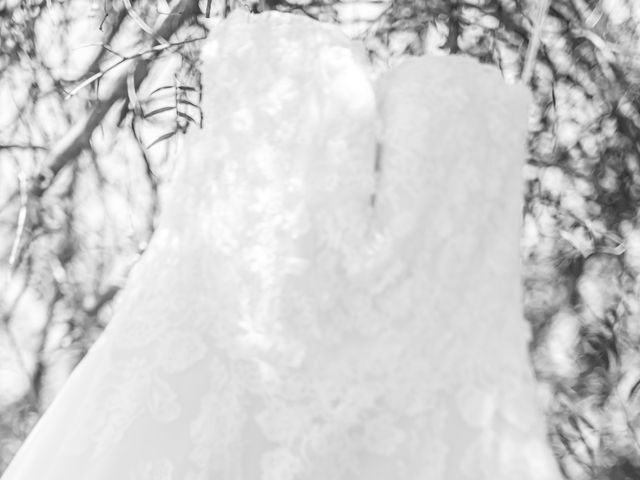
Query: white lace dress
[[302, 314]]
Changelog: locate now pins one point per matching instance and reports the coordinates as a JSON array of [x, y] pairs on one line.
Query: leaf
[[166, 87], [161, 138], [188, 117], [158, 110], [188, 102], [634, 389], [574, 423], [179, 87], [587, 422]]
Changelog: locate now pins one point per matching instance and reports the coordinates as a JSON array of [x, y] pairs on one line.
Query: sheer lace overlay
[[302, 314]]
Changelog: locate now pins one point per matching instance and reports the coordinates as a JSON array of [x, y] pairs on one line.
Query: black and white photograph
[[319, 239]]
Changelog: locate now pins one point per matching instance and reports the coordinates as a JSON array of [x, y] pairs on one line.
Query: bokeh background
[[96, 94]]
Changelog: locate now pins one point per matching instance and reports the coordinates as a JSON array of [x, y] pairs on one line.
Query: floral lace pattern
[[301, 316]]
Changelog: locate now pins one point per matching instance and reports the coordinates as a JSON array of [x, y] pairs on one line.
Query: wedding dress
[[313, 306]]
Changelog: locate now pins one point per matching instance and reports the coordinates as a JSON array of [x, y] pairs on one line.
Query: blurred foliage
[[93, 95]]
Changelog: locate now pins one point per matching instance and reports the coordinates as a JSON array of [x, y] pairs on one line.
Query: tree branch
[[77, 139]]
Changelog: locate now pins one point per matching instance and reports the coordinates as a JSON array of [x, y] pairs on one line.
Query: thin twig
[[125, 58], [22, 221], [9, 146], [142, 24], [534, 42]]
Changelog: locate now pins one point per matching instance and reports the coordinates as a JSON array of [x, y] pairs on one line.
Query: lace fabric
[[302, 315]]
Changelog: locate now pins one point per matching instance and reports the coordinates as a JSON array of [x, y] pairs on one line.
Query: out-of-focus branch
[[153, 181], [104, 298], [37, 377], [6, 313], [453, 24], [77, 139]]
